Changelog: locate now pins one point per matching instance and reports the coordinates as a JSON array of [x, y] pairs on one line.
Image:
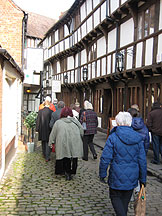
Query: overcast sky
[[49, 8]]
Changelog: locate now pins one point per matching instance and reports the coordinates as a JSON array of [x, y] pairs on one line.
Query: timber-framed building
[[109, 52]]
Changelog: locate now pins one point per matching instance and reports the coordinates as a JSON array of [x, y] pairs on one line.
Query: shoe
[[94, 157], [155, 162], [48, 160], [84, 159]]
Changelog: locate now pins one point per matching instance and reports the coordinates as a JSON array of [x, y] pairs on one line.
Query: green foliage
[[30, 120]]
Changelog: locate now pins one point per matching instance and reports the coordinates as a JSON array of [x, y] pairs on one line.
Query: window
[[146, 18]]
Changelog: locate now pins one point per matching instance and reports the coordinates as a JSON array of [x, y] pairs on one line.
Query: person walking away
[[75, 113], [67, 134], [56, 115], [154, 124], [43, 129], [124, 152], [55, 103], [91, 129], [139, 126], [51, 106]]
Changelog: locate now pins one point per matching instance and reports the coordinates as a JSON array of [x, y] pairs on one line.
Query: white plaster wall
[[96, 17], [83, 57], [70, 62], [109, 64], [139, 54], [58, 67], [129, 58], [104, 66], [57, 48], [149, 52], [89, 6], [82, 12], [98, 68], [123, 1], [93, 70], [79, 34], [112, 40], [76, 37], [11, 118], [84, 29], [56, 36], [113, 69], [66, 31], [114, 5], [89, 24], [95, 3], [61, 46], [159, 54], [127, 32], [101, 47], [160, 16], [103, 11], [67, 43], [72, 76]]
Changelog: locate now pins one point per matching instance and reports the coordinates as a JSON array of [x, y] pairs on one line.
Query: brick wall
[[11, 29]]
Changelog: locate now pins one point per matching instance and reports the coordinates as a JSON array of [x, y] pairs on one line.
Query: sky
[[49, 8]]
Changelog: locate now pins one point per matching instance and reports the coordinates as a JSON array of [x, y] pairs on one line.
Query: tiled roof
[[38, 25]]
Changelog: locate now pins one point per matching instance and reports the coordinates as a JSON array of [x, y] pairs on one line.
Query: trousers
[[120, 200], [157, 147], [46, 150], [88, 141]]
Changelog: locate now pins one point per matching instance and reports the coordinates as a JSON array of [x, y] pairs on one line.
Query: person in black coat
[[43, 129]]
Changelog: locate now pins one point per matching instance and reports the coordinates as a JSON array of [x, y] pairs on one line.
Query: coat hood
[[137, 123], [127, 135]]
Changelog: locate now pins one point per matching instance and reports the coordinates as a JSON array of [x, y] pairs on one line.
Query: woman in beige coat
[[67, 134]]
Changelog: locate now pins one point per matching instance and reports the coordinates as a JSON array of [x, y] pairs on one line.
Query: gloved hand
[[102, 180]]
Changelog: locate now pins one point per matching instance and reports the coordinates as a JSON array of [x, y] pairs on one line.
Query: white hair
[[123, 119], [48, 99], [88, 105]]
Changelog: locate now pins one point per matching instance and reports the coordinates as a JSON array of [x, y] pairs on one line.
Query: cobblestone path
[[30, 187]]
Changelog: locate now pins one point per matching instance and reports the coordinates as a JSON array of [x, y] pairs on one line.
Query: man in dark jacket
[[91, 129], [154, 124], [43, 129], [56, 115]]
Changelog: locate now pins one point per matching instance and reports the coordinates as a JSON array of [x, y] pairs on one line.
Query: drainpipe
[[24, 29]]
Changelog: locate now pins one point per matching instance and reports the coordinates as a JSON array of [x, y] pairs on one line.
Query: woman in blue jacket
[[124, 151]]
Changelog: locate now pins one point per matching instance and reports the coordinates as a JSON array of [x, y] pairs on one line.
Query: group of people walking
[[63, 128], [125, 149]]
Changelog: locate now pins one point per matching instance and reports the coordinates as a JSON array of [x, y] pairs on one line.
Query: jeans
[[120, 200], [88, 141], [157, 147]]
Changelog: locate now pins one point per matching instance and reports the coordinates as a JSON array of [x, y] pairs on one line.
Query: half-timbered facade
[[109, 52]]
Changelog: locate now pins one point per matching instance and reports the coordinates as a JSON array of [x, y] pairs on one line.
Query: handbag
[[53, 147], [84, 122], [140, 203]]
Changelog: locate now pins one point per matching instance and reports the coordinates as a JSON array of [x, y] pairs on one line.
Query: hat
[[135, 106], [48, 99]]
